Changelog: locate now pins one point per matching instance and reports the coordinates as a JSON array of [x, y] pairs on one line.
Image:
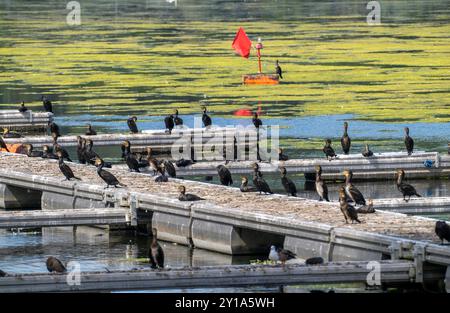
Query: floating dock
[[415, 206], [26, 121], [392, 272]]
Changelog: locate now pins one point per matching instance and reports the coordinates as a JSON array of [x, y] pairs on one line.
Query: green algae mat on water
[[126, 58]]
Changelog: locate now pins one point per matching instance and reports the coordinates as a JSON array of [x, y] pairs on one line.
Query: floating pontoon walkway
[[228, 221], [29, 120], [228, 276]]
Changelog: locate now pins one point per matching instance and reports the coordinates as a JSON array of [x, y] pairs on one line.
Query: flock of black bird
[[349, 195]]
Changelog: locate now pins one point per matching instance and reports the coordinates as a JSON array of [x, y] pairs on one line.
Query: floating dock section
[[26, 121]]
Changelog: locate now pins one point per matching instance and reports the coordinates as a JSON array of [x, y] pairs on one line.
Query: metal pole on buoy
[[259, 46]]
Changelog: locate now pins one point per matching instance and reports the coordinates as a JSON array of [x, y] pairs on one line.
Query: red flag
[[241, 43]]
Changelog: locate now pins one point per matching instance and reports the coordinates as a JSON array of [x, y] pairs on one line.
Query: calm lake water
[[148, 57]]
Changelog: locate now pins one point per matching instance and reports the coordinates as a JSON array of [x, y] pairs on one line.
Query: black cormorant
[[224, 175], [366, 152], [278, 254], [156, 253], [170, 169], [366, 209], [278, 69], [23, 108], [442, 230], [206, 119], [47, 104], [63, 151], [169, 123], [405, 189], [281, 155], [32, 153], [54, 129], [256, 121], [287, 183], [109, 178], [409, 142], [321, 186], [184, 163], [65, 169], [328, 150], [90, 131], [55, 265], [352, 192], [244, 185], [177, 120], [259, 182], [47, 153], [348, 210], [131, 122], [131, 161], [80, 150], [345, 140], [183, 196]]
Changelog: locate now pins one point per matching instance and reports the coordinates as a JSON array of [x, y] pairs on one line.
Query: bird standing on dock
[[259, 182], [55, 265], [278, 254], [170, 169], [345, 140], [207, 122], [130, 160], [256, 120], [168, 121], [65, 169], [54, 130], [366, 209], [47, 104], [32, 153], [287, 183], [321, 186], [183, 196], [442, 230], [278, 69], [328, 150], [244, 185], [80, 150], [90, 131], [366, 152], [348, 210], [409, 142], [64, 153], [89, 154], [351, 191], [224, 175], [109, 178], [177, 120], [281, 155], [156, 253], [47, 153], [405, 189], [22, 108], [131, 122]]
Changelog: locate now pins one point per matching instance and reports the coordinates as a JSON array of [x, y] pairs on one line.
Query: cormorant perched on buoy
[[170, 169], [206, 119], [314, 261], [348, 210], [183, 196], [244, 185], [259, 182], [409, 142], [278, 69], [63, 151], [321, 186], [156, 253], [184, 162], [47, 104], [177, 120], [32, 153], [278, 254], [287, 183], [366, 152], [442, 230], [366, 209], [3, 144], [282, 156], [22, 108], [9, 134], [345, 140], [256, 121], [405, 189], [54, 129], [80, 150], [131, 122], [109, 178], [328, 150], [168, 121], [55, 265], [131, 161], [47, 153], [90, 131], [351, 191], [224, 175], [65, 169]]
